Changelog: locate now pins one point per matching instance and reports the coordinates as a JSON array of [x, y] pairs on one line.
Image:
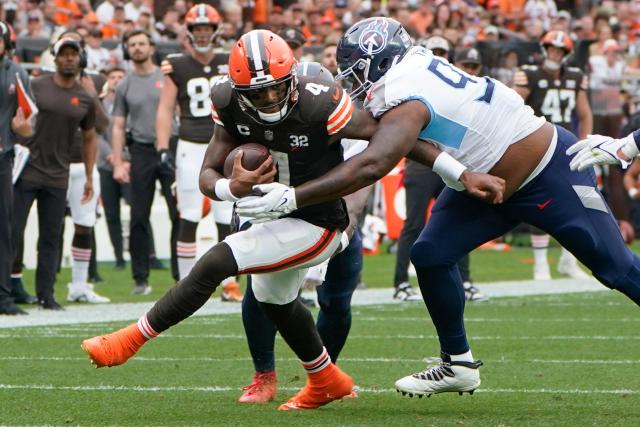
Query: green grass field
[[562, 360]]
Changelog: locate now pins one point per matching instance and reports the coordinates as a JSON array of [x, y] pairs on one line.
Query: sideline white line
[[216, 389], [54, 335], [87, 313]]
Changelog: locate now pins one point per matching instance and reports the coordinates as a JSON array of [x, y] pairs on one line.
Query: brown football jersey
[[300, 143], [193, 80], [555, 99], [61, 113]]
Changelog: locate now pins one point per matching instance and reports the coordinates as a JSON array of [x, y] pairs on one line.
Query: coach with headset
[[12, 123], [134, 109]]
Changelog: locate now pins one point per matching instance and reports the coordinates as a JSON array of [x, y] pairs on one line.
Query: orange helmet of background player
[[259, 60], [202, 14], [560, 40]]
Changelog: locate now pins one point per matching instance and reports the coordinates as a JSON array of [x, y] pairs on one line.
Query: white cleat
[[441, 377], [568, 265], [471, 293], [541, 272], [404, 292], [85, 294]]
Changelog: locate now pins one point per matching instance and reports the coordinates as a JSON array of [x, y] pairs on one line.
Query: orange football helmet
[[262, 70], [202, 14], [560, 40]]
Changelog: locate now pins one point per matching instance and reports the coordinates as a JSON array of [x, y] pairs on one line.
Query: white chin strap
[[551, 65], [273, 117]]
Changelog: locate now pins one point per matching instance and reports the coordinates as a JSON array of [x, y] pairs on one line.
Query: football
[[253, 156]]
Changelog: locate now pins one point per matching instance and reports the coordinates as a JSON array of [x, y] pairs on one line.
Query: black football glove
[[167, 162]]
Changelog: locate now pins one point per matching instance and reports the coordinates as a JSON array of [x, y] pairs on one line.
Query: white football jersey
[[474, 119]]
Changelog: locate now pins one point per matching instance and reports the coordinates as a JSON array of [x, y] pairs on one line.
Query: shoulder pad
[[221, 92]]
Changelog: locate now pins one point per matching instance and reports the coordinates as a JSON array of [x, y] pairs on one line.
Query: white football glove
[[277, 199], [598, 150]]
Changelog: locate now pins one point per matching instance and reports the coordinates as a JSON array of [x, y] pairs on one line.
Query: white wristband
[[632, 192], [448, 168], [630, 148], [223, 190]]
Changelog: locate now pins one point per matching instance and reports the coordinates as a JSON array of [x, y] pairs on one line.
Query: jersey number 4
[[199, 90], [552, 105]]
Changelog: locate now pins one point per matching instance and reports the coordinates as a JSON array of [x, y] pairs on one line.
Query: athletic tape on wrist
[[223, 190], [448, 168]]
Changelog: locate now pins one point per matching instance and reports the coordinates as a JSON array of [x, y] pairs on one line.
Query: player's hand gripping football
[[242, 181], [598, 150], [483, 186]]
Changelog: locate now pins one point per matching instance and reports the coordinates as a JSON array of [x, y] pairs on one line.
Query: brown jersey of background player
[[555, 90]]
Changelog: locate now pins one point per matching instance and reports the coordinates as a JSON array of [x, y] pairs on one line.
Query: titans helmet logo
[[374, 37]]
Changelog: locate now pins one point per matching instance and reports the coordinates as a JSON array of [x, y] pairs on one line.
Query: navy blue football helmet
[[368, 50], [314, 69]]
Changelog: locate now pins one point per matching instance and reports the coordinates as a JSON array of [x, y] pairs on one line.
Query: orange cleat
[[116, 348], [261, 390], [231, 292], [323, 387]]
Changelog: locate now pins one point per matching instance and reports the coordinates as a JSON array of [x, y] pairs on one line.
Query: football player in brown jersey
[[188, 82], [557, 92]]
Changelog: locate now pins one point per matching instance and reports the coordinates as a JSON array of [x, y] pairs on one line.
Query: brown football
[[253, 156]]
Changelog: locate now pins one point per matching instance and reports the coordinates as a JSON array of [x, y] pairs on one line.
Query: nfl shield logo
[[268, 135]]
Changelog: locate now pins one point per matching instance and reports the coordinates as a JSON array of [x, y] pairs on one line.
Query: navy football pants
[[565, 204], [334, 319]]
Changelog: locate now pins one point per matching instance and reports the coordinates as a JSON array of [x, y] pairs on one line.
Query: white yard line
[[220, 389], [84, 313], [143, 359]]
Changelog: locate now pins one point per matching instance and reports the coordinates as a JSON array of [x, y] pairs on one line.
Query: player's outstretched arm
[[600, 150], [394, 137]]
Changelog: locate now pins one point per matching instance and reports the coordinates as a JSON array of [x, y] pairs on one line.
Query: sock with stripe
[[319, 369], [186, 247], [540, 243], [81, 253], [145, 328]]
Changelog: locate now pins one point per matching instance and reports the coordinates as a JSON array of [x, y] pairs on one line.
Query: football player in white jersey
[[486, 126]]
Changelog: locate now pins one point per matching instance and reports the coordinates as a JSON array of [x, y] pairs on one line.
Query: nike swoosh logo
[[543, 205], [283, 202]]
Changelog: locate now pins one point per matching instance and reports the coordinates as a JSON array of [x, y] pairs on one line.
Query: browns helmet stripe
[[256, 54]]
